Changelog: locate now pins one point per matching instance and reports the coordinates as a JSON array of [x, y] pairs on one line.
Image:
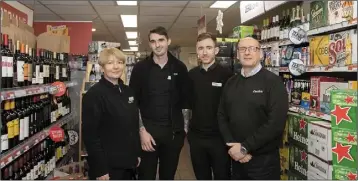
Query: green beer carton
[[298, 159], [344, 147], [294, 176], [344, 109], [298, 128], [318, 14], [344, 173]]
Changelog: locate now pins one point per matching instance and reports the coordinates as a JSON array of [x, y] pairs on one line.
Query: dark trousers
[[209, 156], [261, 167], [120, 174], [167, 150]]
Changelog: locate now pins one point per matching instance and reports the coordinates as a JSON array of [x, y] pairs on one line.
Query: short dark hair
[[206, 35], [160, 31]]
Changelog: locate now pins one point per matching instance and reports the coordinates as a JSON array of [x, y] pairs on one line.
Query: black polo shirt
[[205, 97]]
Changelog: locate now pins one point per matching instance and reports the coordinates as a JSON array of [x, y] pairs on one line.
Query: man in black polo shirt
[[209, 154], [161, 85], [252, 116]]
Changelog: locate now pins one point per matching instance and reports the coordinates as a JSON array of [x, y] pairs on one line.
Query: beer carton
[[295, 176], [321, 168], [313, 176], [298, 160], [315, 89], [354, 46], [297, 129], [344, 147], [284, 157], [340, 48], [325, 96], [344, 109], [352, 85], [339, 11], [319, 136], [344, 173], [319, 50], [318, 14]]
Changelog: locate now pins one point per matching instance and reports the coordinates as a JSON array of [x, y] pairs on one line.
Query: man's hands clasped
[[235, 153], [147, 140]]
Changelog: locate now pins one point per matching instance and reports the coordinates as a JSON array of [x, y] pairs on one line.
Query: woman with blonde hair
[[110, 122]]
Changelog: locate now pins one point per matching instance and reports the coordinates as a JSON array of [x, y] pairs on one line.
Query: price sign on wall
[[250, 9]]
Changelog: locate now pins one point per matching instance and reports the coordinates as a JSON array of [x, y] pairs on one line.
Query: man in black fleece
[[161, 87], [252, 116]]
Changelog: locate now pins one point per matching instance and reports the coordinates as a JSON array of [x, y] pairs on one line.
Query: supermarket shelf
[[312, 113], [17, 92], [349, 68], [15, 152], [332, 28]]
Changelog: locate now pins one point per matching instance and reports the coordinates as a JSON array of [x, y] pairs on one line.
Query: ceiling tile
[[46, 17], [158, 11], [110, 17], [113, 10], [104, 3], [73, 17], [113, 23], [199, 12], [144, 19], [39, 9], [192, 20], [204, 4], [163, 3], [67, 9], [65, 2], [150, 26]]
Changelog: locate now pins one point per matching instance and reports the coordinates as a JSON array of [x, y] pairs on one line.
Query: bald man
[[252, 116]]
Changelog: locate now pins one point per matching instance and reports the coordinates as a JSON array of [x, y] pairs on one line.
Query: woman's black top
[[110, 127]]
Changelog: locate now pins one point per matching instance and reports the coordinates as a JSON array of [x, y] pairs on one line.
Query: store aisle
[[185, 169]]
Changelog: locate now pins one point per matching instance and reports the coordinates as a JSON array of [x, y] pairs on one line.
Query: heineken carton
[[344, 173], [294, 176], [344, 109], [313, 176], [344, 147], [298, 128], [298, 160], [319, 167], [320, 142]]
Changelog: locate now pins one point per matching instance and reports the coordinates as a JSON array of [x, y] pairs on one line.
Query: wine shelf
[[17, 92], [332, 28], [311, 113], [18, 150]]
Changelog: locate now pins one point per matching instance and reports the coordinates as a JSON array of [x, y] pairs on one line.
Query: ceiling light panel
[[129, 21], [131, 34], [134, 49], [132, 43], [222, 4], [127, 3]]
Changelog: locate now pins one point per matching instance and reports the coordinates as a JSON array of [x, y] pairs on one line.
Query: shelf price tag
[[9, 159], [2, 164]]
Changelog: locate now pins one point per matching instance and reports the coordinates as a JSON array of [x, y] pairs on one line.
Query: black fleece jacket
[[253, 111], [110, 125]]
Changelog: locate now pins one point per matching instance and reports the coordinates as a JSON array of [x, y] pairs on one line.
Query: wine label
[[16, 127], [57, 75], [10, 63], [64, 72], [26, 71], [4, 66], [4, 142], [37, 73], [26, 126], [53, 116], [47, 70], [10, 129], [21, 131], [20, 71]]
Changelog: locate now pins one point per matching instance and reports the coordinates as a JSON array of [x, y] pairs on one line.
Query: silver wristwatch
[[243, 150]]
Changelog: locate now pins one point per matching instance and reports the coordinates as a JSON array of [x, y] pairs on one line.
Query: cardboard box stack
[[227, 52], [298, 143], [319, 151], [344, 134]]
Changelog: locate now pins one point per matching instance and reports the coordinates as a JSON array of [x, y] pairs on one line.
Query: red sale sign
[[56, 134], [58, 89]]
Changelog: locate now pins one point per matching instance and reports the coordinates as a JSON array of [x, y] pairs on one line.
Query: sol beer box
[[298, 160], [340, 48], [320, 142], [319, 167], [298, 129], [354, 45]]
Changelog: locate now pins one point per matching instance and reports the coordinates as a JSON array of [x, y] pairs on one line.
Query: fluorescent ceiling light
[[127, 3], [93, 29], [222, 4], [129, 21], [131, 34], [135, 49], [132, 43]]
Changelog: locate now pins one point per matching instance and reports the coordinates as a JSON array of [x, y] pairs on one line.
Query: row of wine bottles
[[38, 162], [23, 117], [23, 65]]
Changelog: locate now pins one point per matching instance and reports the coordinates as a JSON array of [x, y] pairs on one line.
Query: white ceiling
[[179, 17]]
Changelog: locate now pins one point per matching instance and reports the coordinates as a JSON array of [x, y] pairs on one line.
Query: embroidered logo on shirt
[[175, 73], [257, 91], [216, 84], [130, 100], [169, 77]]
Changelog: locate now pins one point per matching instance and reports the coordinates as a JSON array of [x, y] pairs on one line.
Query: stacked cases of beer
[[344, 134]]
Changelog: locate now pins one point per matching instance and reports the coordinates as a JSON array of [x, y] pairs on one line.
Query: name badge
[[169, 77], [216, 84]]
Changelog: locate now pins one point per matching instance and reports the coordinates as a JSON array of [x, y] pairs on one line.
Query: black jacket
[[253, 111], [110, 125], [179, 91]]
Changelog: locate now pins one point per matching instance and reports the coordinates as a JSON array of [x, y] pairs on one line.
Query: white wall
[[24, 9]]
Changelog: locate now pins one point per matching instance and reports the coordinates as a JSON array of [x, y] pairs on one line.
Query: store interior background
[[101, 21]]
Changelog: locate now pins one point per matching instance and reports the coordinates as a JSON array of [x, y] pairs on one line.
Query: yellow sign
[[57, 30]]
